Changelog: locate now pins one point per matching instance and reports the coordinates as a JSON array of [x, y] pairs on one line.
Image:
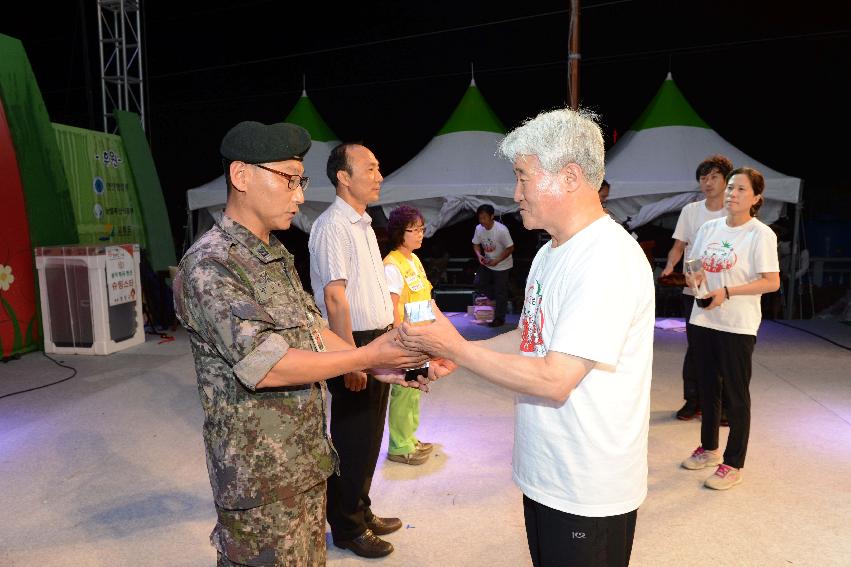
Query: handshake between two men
[[423, 342]]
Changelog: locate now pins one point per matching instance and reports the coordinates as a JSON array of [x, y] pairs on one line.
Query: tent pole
[[573, 56], [793, 268]]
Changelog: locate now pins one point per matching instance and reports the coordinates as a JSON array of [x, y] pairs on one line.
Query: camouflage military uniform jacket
[[244, 307]]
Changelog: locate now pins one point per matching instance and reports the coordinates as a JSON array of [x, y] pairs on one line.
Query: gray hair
[[557, 138]]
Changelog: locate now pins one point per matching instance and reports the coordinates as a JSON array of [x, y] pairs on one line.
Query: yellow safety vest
[[416, 285]]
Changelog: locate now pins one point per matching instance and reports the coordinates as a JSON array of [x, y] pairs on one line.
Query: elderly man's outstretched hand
[[440, 367], [439, 339]]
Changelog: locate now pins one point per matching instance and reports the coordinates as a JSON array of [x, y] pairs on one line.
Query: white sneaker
[[701, 459]]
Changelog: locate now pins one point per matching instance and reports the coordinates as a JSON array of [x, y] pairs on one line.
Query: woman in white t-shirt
[[738, 254], [407, 282]]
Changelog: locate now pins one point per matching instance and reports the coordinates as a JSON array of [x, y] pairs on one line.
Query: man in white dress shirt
[[347, 276]]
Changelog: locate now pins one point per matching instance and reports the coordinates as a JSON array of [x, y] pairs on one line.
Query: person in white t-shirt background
[[739, 258], [581, 359], [493, 246], [711, 174]]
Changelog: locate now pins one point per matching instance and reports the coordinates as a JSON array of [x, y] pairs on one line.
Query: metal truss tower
[[120, 35]]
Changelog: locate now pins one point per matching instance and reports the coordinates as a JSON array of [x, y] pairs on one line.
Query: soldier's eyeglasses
[[293, 181]]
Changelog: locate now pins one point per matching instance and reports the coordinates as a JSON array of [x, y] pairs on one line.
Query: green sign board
[[100, 182]]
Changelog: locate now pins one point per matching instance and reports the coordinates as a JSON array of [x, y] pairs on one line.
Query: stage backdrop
[[101, 185], [30, 178], [18, 321]]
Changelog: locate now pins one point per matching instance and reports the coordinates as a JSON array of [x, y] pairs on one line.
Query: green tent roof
[[305, 115], [668, 108], [473, 114]]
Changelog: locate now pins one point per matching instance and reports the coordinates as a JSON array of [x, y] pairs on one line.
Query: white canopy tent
[[651, 169], [458, 169], [652, 166], [448, 180], [209, 199]]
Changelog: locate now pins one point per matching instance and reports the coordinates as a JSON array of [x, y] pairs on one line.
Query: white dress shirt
[[342, 246]]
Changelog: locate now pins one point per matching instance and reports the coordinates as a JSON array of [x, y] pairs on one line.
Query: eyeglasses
[[294, 181], [418, 229]]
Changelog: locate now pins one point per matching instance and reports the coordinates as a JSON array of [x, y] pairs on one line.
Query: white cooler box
[[91, 298]]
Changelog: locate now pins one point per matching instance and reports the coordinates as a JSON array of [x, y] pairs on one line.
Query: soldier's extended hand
[[388, 352], [397, 376], [355, 381]]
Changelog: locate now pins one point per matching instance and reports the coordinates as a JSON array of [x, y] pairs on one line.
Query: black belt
[[363, 337], [296, 388]]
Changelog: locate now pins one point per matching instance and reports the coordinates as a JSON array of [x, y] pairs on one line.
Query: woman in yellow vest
[[407, 282]]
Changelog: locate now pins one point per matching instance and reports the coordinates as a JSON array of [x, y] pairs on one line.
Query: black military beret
[[253, 142]]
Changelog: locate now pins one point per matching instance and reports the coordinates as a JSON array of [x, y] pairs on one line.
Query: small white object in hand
[[419, 312]]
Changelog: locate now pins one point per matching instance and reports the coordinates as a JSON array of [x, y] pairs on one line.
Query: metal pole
[[793, 269], [87, 66], [116, 59], [574, 56], [143, 84], [125, 103], [102, 73]]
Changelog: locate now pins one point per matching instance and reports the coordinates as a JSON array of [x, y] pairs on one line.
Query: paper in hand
[[418, 312]]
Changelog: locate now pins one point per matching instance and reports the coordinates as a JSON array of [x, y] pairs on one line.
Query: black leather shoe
[[688, 411], [384, 526], [366, 545]]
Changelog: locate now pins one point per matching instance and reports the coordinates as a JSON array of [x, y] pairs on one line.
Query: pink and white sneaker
[[725, 477], [701, 459]]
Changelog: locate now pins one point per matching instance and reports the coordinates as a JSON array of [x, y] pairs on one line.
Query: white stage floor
[[107, 469]]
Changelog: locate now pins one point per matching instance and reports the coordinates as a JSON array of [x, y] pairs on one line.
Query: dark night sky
[[771, 78]]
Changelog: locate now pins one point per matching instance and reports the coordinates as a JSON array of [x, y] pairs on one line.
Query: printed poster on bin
[[120, 274]]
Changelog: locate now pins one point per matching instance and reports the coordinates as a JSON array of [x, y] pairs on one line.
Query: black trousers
[[725, 371], [494, 284], [357, 428], [691, 371], [691, 392], [559, 539]]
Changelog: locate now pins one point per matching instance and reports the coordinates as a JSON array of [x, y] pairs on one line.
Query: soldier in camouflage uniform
[[261, 354]]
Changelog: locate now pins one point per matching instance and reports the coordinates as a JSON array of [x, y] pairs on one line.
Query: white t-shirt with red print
[[734, 256], [591, 297], [692, 217], [493, 243]]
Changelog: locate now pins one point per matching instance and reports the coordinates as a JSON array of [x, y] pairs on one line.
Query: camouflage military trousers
[[289, 532]]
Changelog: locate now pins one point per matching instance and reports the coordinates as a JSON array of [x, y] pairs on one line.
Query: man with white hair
[[581, 358]]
